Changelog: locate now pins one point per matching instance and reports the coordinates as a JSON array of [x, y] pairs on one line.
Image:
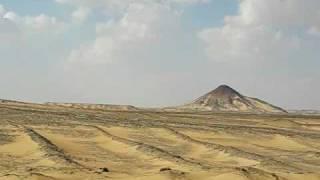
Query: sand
[[46, 143]]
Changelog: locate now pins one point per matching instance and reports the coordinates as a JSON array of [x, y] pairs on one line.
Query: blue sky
[[158, 53], [36, 7]]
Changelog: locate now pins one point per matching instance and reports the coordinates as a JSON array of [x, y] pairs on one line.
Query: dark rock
[[104, 170], [165, 169]]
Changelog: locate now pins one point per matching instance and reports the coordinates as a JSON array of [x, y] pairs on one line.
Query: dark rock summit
[[225, 98], [224, 91]]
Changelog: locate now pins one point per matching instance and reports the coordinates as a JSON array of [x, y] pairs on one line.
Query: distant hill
[[224, 98], [108, 107], [305, 112], [12, 102]]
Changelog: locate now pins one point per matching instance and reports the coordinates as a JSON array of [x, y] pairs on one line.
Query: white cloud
[[279, 12], [141, 25], [37, 23], [140, 45], [314, 31], [233, 42], [11, 16], [120, 6], [43, 23], [261, 30], [2, 10], [80, 14], [122, 3], [190, 1], [29, 38], [9, 34], [100, 51]]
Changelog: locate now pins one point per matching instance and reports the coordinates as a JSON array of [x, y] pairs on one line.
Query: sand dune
[[41, 142]]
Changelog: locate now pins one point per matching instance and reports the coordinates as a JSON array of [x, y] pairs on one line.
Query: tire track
[[254, 173], [154, 151], [52, 151], [234, 151]]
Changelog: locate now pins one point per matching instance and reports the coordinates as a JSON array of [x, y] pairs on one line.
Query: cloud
[[29, 38], [114, 51], [279, 12], [315, 31], [238, 43], [80, 14], [142, 25], [122, 3], [130, 26], [9, 35], [39, 23], [262, 30], [116, 7], [2, 10]]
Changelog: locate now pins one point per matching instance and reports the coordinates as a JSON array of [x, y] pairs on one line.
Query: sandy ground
[[42, 142]]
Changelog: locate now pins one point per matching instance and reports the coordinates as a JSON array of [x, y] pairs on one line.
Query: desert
[[58, 141], [159, 89]]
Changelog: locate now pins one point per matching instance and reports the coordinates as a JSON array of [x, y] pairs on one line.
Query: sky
[[159, 52]]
